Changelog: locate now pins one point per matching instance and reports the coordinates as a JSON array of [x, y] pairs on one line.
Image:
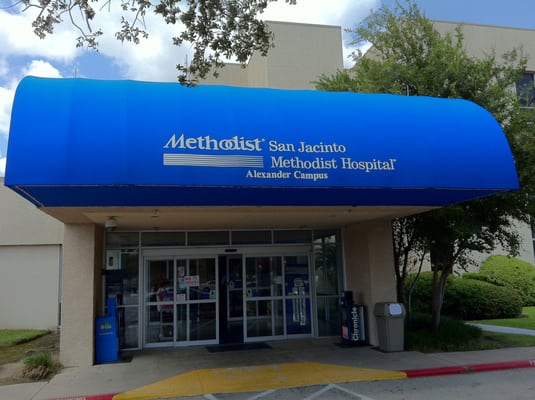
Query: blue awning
[[89, 143]]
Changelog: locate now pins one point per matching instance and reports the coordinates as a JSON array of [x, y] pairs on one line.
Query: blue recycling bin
[[106, 336]]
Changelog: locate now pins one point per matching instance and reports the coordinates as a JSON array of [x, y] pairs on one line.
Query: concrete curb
[[419, 373], [411, 373]]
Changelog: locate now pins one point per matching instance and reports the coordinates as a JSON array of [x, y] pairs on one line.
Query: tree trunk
[[400, 286], [442, 264], [439, 288]]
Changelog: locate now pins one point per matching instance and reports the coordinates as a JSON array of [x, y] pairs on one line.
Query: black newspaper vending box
[[353, 317]]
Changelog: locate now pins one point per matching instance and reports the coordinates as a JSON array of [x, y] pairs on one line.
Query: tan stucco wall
[[369, 260], [78, 309], [29, 287], [482, 39], [301, 53], [30, 264], [21, 223]]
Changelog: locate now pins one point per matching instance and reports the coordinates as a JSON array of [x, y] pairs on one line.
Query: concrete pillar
[[369, 259], [79, 286]]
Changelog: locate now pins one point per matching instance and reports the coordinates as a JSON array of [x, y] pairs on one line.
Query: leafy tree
[[409, 254], [410, 57], [216, 29]]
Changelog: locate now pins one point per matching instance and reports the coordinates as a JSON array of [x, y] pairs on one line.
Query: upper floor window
[[525, 89]]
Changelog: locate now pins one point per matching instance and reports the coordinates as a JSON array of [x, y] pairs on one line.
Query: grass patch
[[525, 321], [40, 366], [454, 335], [10, 337], [16, 352], [510, 340]]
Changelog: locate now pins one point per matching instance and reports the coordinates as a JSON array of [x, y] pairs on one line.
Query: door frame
[[144, 302], [148, 254]]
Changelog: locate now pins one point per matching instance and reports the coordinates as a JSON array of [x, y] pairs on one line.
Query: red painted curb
[[95, 397], [419, 373], [502, 365]]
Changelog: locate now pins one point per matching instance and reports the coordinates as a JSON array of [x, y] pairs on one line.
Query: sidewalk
[[292, 361]]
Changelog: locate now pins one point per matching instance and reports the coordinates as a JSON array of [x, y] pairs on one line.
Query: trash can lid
[[395, 309]]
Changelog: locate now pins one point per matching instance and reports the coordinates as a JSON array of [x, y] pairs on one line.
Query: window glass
[[328, 315], [292, 236], [208, 238], [251, 237], [122, 239], [525, 90], [122, 276], [328, 264], [163, 239]]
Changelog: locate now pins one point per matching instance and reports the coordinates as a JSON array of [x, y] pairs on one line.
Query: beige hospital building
[[238, 211]]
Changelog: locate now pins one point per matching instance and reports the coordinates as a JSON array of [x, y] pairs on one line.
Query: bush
[[454, 335], [40, 366], [511, 273], [466, 299]]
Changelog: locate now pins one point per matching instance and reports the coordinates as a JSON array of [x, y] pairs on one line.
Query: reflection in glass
[[128, 327], [297, 291], [328, 280], [121, 283], [259, 321], [181, 323], [328, 315], [202, 321]]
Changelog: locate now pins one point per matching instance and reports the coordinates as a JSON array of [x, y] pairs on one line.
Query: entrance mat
[[237, 347]]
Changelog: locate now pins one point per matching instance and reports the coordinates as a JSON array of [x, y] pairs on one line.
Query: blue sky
[[22, 53]]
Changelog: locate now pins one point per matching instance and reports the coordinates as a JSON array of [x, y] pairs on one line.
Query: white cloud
[[41, 68], [154, 59], [2, 166], [6, 101], [18, 39]]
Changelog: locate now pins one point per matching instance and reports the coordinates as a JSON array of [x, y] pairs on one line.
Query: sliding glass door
[[278, 299], [180, 301]]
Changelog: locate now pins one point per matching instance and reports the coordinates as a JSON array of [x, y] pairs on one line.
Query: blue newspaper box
[[106, 340]]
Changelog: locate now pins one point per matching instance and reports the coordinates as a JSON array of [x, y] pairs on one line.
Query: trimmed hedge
[[466, 299], [511, 273]]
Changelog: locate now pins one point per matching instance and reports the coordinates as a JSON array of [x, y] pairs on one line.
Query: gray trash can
[[390, 319]]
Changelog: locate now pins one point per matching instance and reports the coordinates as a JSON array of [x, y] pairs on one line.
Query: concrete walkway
[[165, 373], [504, 329]]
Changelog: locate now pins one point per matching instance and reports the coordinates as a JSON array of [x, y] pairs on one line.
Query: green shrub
[[480, 277], [466, 299], [454, 335], [512, 273], [40, 366]]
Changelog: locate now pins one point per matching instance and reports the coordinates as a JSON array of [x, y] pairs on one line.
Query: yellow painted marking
[[259, 378]]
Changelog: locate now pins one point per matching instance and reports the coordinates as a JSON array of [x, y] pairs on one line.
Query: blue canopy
[[84, 143]]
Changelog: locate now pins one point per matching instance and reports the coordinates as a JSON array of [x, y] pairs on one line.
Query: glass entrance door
[[277, 297], [231, 299], [180, 301], [297, 295]]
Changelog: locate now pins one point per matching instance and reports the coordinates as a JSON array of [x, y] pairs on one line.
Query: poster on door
[[191, 280]]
